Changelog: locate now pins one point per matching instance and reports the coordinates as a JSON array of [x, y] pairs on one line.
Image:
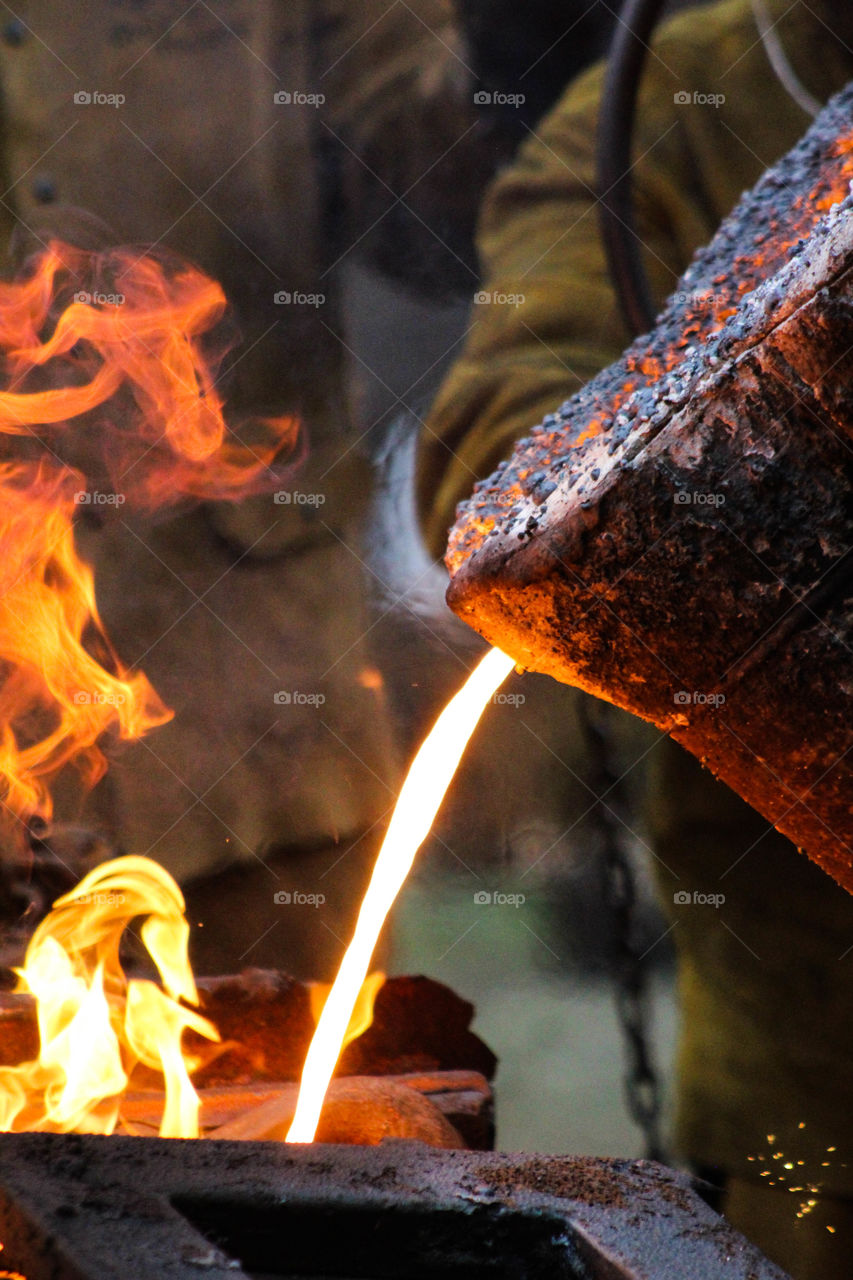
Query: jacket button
[[44, 190], [14, 33]]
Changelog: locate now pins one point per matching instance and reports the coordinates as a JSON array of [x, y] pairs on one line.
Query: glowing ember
[[107, 396], [95, 1024], [10, 1275], [427, 781]]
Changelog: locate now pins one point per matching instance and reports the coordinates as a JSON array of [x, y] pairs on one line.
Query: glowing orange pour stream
[[427, 781]]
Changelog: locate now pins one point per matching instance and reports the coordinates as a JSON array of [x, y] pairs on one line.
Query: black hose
[[625, 63]]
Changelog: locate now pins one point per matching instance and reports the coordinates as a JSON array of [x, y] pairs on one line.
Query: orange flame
[[95, 1024], [56, 699], [124, 338], [105, 382], [427, 781]]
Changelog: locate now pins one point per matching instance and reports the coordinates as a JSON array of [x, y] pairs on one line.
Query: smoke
[[408, 580]]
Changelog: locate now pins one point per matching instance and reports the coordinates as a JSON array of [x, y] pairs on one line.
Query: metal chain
[[642, 1087]]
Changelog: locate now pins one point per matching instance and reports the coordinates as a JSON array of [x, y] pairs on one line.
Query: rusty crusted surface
[[701, 321], [651, 540], [74, 1207]]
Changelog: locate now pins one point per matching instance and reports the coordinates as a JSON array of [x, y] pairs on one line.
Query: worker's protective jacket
[[267, 143]]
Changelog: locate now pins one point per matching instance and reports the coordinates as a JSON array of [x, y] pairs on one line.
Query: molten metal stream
[[422, 793]]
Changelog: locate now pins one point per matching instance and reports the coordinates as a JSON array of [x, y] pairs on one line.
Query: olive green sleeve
[[547, 319]]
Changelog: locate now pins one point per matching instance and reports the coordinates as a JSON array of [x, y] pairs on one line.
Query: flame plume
[[56, 699], [94, 1024], [105, 379]]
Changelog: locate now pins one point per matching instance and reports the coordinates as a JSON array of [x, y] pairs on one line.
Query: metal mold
[[113, 1208]]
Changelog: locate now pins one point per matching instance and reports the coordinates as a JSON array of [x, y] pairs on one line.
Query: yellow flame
[[427, 781], [362, 1014], [94, 1024]]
